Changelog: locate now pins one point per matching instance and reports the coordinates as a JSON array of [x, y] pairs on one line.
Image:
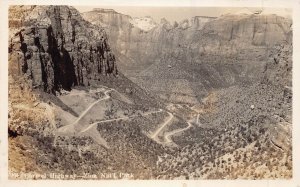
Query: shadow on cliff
[[64, 71]]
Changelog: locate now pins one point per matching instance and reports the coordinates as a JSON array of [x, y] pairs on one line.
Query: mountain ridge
[[206, 44]]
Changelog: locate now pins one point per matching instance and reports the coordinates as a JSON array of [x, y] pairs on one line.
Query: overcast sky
[[178, 13]]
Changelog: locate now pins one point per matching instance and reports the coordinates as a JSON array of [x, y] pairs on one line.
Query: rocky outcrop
[[56, 48]]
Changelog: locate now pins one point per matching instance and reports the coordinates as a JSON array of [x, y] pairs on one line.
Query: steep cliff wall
[[117, 25], [56, 48], [128, 35], [248, 31], [203, 52], [227, 35]]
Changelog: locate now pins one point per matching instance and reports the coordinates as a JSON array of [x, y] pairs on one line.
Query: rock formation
[[56, 48], [227, 35], [204, 52], [228, 78]]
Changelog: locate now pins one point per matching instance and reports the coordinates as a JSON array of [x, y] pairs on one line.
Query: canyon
[[191, 57], [103, 92]]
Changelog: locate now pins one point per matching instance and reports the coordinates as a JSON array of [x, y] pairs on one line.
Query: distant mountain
[[181, 50], [244, 30]]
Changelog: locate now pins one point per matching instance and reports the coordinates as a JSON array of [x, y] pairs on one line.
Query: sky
[[179, 13]]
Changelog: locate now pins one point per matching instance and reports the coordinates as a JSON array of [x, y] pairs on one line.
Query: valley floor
[[78, 128], [169, 143]]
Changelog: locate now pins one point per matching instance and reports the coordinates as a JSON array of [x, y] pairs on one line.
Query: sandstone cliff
[[56, 48], [250, 30], [202, 53], [226, 35]]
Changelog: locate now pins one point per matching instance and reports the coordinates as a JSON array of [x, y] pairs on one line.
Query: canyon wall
[[57, 49], [227, 35], [191, 57]]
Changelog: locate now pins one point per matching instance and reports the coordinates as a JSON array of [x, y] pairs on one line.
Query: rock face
[[204, 53], [56, 48], [115, 24], [257, 30], [226, 35], [159, 41]]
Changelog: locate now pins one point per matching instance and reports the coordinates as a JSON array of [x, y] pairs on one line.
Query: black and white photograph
[[149, 92]]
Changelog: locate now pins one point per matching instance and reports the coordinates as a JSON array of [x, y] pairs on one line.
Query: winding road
[[169, 134], [117, 119], [69, 129], [154, 135], [103, 121], [87, 110]]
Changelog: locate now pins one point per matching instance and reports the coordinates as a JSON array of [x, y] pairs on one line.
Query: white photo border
[[292, 4]]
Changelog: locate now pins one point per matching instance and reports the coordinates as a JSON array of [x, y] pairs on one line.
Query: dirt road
[[154, 136], [172, 133]]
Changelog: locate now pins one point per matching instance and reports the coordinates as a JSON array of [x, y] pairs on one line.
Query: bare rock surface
[[205, 52], [57, 48]]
